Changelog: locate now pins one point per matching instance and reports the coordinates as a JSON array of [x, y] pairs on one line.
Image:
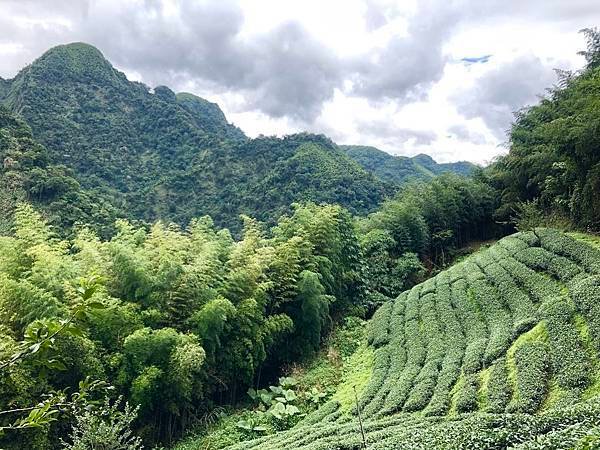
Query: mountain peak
[[424, 159], [208, 115], [77, 61]]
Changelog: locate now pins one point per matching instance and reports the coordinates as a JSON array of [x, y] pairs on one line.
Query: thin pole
[[362, 431]]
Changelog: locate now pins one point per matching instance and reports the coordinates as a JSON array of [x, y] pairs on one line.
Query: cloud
[[476, 59], [503, 90], [463, 133], [560, 11], [378, 13], [356, 68], [283, 71], [408, 65], [388, 131], [290, 73]]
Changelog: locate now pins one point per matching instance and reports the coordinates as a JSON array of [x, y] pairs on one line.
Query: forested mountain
[[400, 169], [157, 155], [4, 87], [208, 116], [28, 174]]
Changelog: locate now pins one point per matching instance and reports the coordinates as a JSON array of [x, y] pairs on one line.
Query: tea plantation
[[499, 351]]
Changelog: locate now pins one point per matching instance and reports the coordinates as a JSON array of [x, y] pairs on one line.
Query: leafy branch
[[39, 341], [41, 334]]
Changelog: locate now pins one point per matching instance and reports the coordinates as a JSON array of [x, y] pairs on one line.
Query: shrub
[[475, 329], [512, 244], [561, 244], [379, 334], [537, 286], [498, 319], [498, 388], [466, 397], [532, 372], [585, 293], [104, 427], [520, 305], [571, 366]]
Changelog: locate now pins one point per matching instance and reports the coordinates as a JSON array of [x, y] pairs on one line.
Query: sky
[[441, 77]]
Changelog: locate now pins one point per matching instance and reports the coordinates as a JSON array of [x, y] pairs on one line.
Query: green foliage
[[314, 309], [279, 403], [343, 364], [495, 334], [572, 371], [116, 148], [182, 318], [104, 427], [499, 391], [553, 167], [400, 169], [532, 366], [30, 175]]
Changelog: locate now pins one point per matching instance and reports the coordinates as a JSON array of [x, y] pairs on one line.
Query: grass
[[357, 374], [590, 239]]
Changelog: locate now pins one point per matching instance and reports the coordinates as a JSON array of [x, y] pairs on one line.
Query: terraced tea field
[[499, 351]]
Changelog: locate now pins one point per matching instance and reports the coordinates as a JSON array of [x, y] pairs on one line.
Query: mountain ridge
[[399, 168], [156, 154]]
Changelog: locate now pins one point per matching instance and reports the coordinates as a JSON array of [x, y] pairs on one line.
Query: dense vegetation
[[476, 352], [554, 161], [128, 315], [399, 169], [155, 155], [190, 318], [188, 315], [29, 175], [427, 222]]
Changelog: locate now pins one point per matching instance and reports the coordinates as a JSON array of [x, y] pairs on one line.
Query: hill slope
[[158, 155], [28, 174], [499, 351], [399, 169]]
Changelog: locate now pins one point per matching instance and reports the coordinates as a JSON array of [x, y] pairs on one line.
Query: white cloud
[[378, 72]]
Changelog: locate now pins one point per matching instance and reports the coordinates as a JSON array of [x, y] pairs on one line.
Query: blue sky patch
[[477, 59]]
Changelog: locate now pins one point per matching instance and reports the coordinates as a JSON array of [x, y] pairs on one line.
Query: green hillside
[[500, 350], [154, 154], [28, 174], [400, 169], [207, 115]]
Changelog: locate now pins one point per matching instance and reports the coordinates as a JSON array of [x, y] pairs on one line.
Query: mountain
[[29, 175], [499, 351], [207, 115], [154, 154], [4, 87], [400, 169]]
